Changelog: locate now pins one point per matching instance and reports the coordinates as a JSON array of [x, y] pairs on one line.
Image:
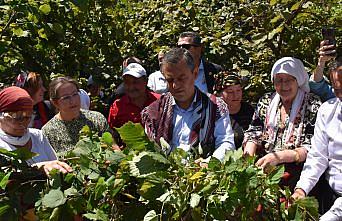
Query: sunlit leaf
[[151, 216], [194, 200], [54, 198], [45, 9]]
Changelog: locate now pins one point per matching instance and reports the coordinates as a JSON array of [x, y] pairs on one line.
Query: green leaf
[[4, 181], [107, 138], [20, 153], [134, 136], [273, 2], [194, 200], [98, 215], [115, 157], [151, 216], [295, 6], [148, 163], [55, 215], [276, 174], [54, 198], [19, 32], [45, 9], [197, 175], [42, 34], [100, 188], [4, 208], [72, 191]]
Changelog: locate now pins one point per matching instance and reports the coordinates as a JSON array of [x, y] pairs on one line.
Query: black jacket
[[209, 70]]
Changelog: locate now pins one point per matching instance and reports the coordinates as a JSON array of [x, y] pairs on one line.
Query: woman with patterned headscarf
[[229, 88], [283, 122]]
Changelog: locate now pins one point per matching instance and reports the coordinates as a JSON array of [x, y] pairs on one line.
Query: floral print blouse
[[304, 131]]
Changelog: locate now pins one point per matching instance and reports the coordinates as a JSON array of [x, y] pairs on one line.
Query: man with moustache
[[137, 96], [186, 117]]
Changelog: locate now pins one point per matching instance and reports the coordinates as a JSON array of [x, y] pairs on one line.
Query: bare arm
[[323, 52]]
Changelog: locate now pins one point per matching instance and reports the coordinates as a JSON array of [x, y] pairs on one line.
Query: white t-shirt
[[40, 145]]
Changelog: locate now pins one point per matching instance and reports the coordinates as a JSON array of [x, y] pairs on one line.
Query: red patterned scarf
[[158, 121]]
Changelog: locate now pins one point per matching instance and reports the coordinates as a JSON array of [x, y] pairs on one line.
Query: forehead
[[175, 70], [284, 75], [185, 40], [130, 78], [66, 88], [233, 87]]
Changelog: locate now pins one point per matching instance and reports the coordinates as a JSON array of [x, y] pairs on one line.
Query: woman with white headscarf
[[283, 122]]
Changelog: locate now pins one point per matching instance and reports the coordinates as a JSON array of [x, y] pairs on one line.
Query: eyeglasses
[[17, 116], [68, 98], [187, 46], [282, 81]]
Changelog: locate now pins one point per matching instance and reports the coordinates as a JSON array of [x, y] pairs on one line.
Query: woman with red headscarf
[[16, 108]]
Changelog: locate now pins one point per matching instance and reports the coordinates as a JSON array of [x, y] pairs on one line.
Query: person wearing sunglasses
[[205, 81], [16, 109], [62, 130]]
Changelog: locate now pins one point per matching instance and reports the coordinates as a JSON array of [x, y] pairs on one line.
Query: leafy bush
[[79, 38], [142, 183]]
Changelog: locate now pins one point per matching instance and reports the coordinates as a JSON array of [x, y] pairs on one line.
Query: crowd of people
[[195, 105]]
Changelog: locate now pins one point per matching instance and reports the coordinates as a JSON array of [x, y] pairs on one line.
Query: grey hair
[[175, 55]]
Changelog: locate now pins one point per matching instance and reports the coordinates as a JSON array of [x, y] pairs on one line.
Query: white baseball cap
[[135, 70]]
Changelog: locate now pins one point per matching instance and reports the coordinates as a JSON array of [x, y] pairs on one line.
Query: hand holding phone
[[329, 36]]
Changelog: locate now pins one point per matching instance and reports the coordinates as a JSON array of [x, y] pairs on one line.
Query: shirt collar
[[191, 107], [201, 66]]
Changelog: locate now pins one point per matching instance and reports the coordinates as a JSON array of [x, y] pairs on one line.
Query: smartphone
[[328, 33]]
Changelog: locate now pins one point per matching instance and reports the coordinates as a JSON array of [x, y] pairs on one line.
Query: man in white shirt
[[156, 80], [325, 154], [205, 70], [186, 117]]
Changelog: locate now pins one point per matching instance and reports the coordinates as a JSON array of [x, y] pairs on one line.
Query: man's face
[[134, 87], [194, 49], [336, 80], [180, 80]]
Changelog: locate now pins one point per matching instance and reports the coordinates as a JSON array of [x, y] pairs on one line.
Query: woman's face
[[232, 95], [286, 86], [68, 100], [39, 95], [16, 123]]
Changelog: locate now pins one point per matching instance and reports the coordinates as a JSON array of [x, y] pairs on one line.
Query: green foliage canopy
[[79, 38]]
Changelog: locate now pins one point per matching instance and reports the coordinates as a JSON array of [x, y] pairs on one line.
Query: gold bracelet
[[296, 158]]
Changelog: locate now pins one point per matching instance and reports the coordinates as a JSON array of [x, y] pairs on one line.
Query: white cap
[[135, 70]]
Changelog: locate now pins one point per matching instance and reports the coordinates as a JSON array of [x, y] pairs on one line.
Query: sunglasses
[[19, 116], [187, 46]]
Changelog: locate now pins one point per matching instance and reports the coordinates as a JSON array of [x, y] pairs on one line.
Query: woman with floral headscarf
[[283, 122], [229, 88]]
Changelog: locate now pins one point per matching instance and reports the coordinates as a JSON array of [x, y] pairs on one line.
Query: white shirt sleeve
[[224, 137], [317, 158]]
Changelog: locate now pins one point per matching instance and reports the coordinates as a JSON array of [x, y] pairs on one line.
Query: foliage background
[[83, 37]]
